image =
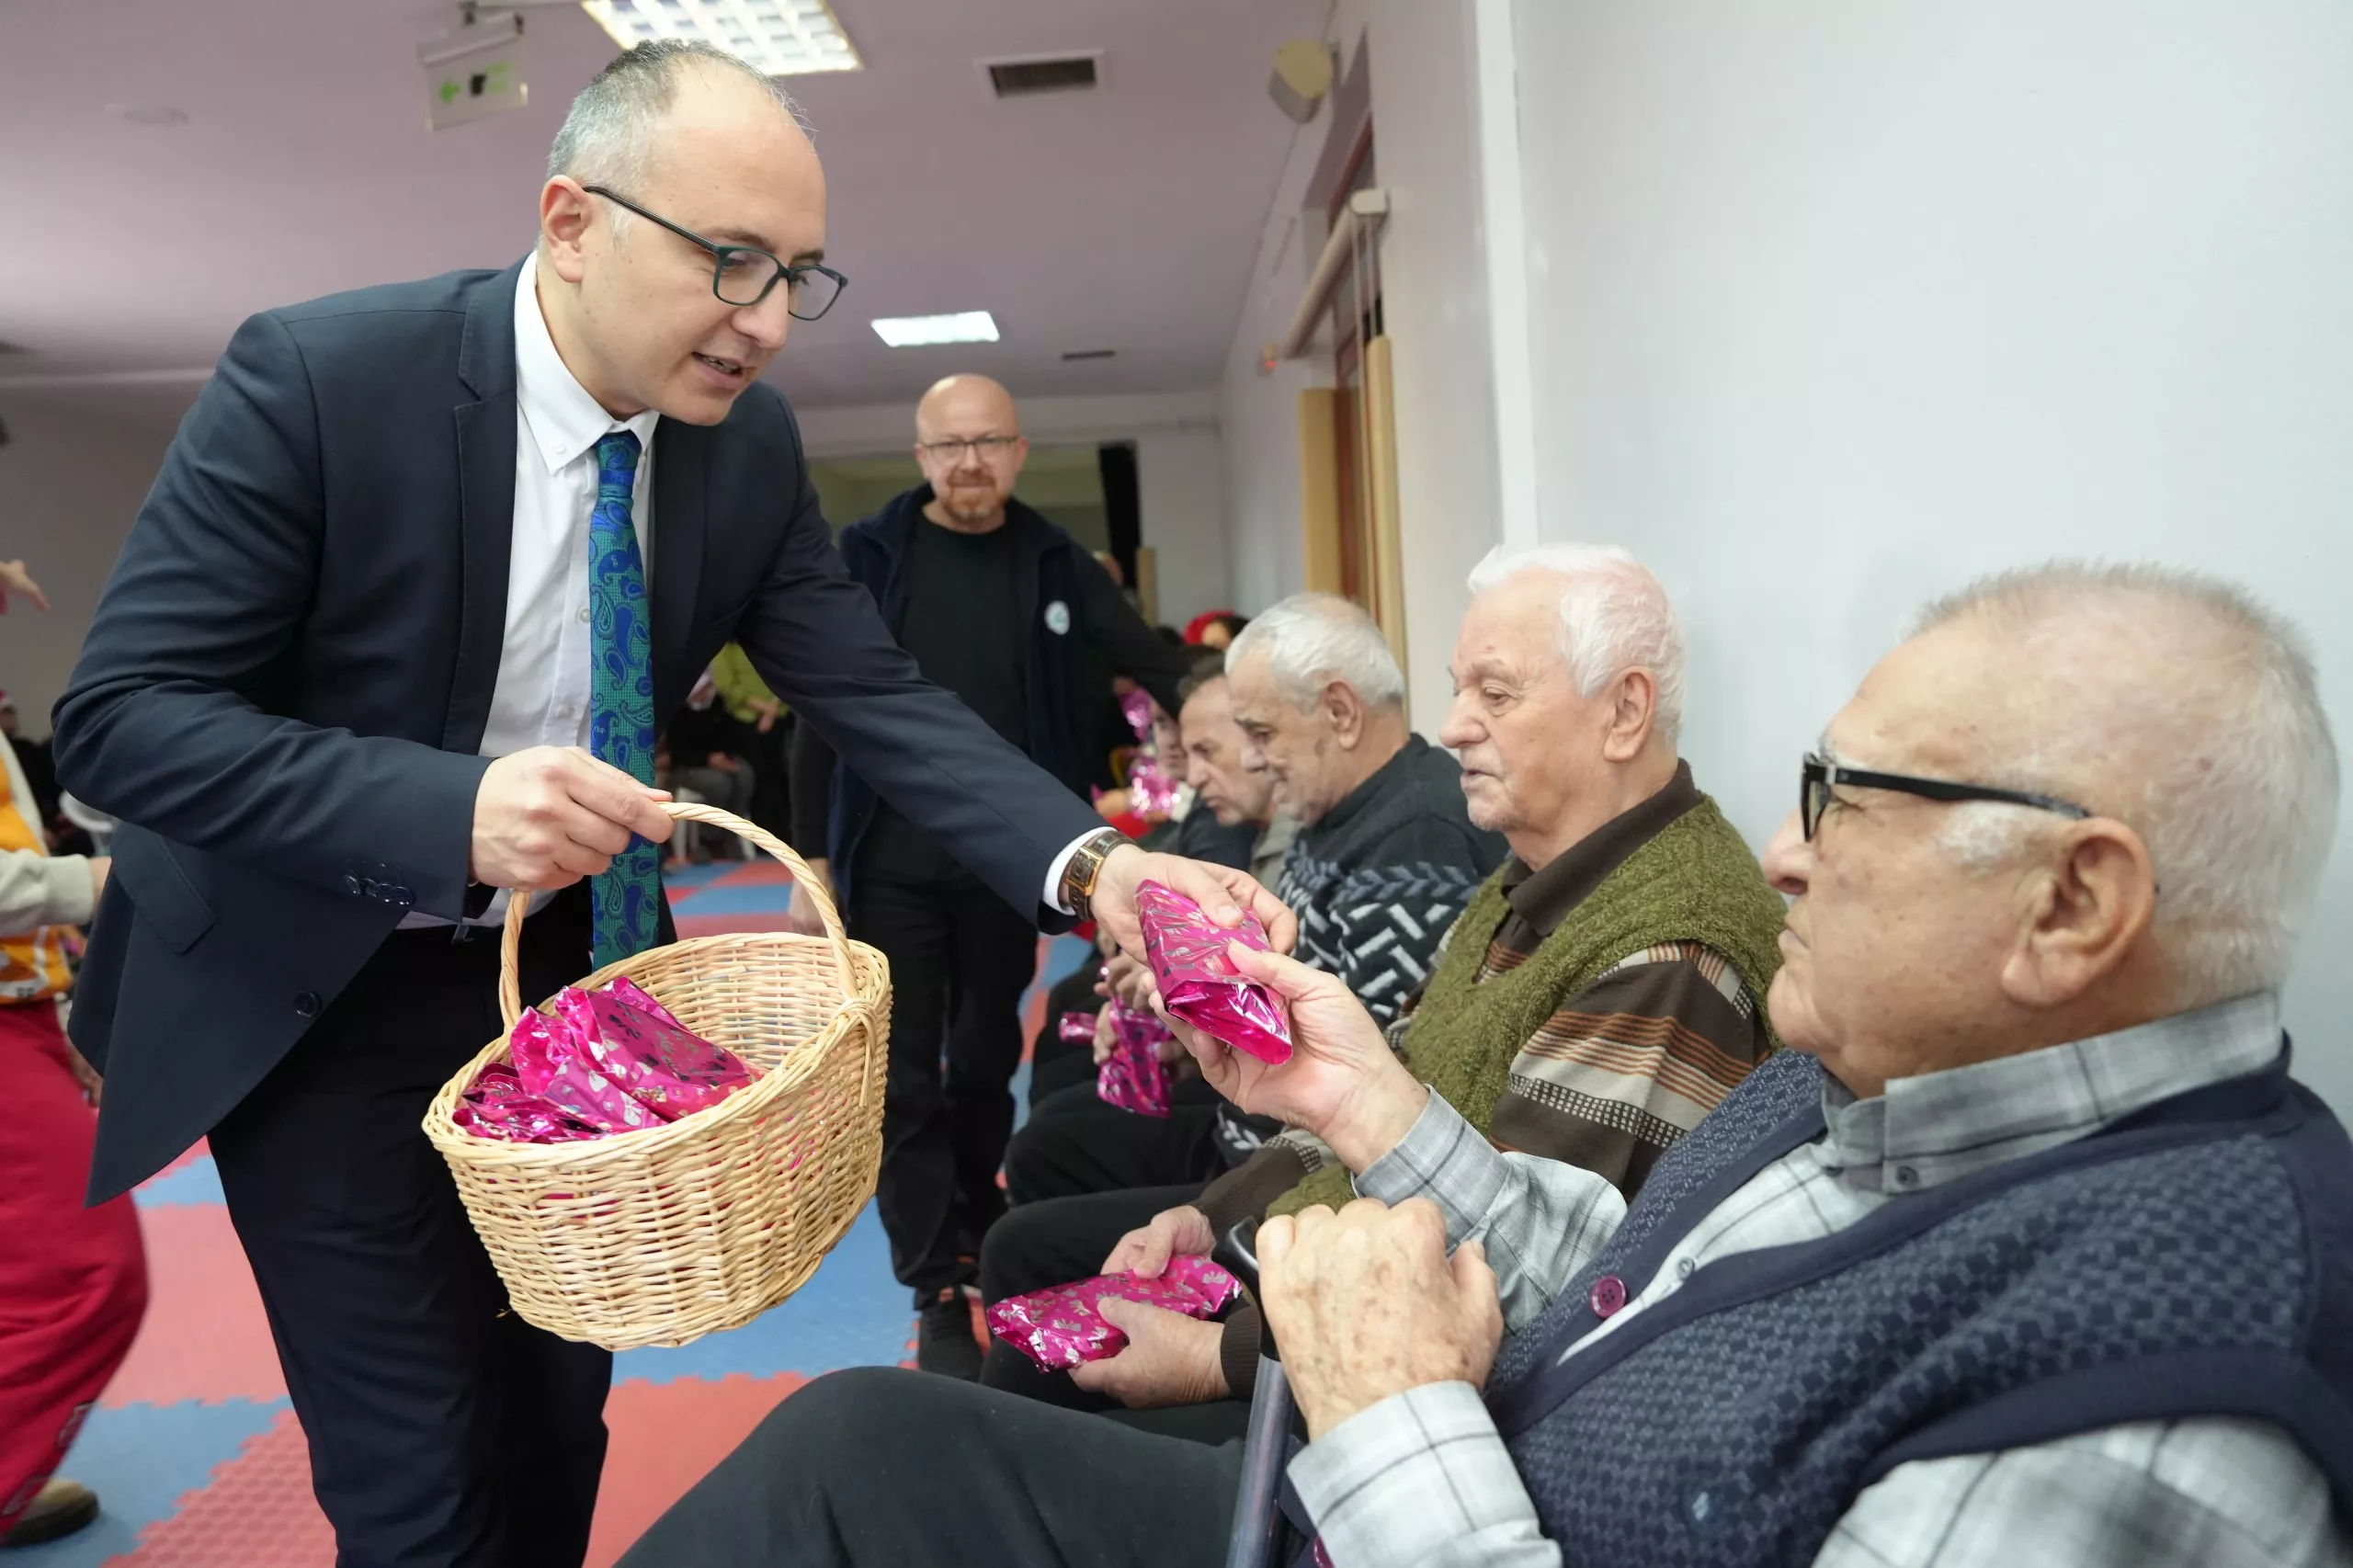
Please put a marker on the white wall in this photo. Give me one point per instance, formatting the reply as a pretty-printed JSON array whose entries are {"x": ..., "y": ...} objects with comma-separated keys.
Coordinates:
[
  {"x": 1179, "y": 467},
  {"x": 1433, "y": 299},
  {"x": 1837, "y": 306},
  {"x": 1434, "y": 292},
  {"x": 70, "y": 486}
]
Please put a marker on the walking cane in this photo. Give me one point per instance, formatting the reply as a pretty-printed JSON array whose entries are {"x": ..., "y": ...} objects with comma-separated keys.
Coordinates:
[{"x": 1257, "y": 1511}]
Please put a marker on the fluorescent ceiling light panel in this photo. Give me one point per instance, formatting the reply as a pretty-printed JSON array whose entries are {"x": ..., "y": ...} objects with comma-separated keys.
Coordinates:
[
  {"x": 913, "y": 332},
  {"x": 780, "y": 37}
]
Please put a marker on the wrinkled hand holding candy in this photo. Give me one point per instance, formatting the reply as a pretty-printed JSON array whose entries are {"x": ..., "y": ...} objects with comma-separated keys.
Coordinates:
[
  {"x": 1197, "y": 983},
  {"x": 612, "y": 1060},
  {"x": 1065, "y": 1325},
  {"x": 1133, "y": 1077}
]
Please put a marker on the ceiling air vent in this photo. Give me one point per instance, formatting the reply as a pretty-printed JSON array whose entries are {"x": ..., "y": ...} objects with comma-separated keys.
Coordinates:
[
  {"x": 1078, "y": 354},
  {"x": 1021, "y": 78}
]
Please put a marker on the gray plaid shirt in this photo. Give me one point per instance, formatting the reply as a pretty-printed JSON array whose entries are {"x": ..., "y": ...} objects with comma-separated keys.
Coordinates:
[{"x": 1424, "y": 1479}]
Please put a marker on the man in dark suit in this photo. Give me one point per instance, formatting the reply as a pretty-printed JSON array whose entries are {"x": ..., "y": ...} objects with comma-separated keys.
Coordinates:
[{"x": 385, "y": 639}]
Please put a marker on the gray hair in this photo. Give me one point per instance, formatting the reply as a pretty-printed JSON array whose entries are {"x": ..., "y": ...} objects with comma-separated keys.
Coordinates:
[
  {"x": 609, "y": 134},
  {"x": 2239, "y": 818},
  {"x": 1312, "y": 639},
  {"x": 1614, "y": 618}
]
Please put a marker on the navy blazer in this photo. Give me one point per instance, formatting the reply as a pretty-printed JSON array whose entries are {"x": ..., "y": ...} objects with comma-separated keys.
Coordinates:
[{"x": 286, "y": 681}]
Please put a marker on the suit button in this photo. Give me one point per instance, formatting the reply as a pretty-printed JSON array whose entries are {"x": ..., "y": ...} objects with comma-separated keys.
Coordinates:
[
  {"x": 352, "y": 886},
  {"x": 1608, "y": 1295},
  {"x": 306, "y": 1004}
]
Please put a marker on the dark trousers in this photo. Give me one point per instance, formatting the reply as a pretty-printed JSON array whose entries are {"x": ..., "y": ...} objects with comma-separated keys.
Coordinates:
[
  {"x": 897, "y": 1469},
  {"x": 443, "y": 1429},
  {"x": 1073, "y": 1144},
  {"x": 960, "y": 959},
  {"x": 1055, "y": 1063}
]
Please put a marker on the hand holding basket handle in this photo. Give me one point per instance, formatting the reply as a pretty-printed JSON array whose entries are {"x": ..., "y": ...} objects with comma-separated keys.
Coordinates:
[
  {"x": 549, "y": 815},
  {"x": 665, "y": 811}
]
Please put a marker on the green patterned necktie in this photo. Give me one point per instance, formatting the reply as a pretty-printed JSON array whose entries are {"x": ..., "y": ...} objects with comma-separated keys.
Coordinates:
[{"x": 628, "y": 897}]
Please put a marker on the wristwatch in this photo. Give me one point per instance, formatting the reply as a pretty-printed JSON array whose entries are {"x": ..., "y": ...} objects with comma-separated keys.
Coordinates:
[{"x": 1086, "y": 865}]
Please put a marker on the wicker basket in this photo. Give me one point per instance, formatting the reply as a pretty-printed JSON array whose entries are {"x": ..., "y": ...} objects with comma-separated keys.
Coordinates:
[{"x": 660, "y": 1236}]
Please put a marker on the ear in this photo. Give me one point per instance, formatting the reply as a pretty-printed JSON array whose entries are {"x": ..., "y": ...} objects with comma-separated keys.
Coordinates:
[
  {"x": 1345, "y": 710},
  {"x": 567, "y": 214},
  {"x": 1633, "y": 705},
  {"x": 2087, "y": 909}
]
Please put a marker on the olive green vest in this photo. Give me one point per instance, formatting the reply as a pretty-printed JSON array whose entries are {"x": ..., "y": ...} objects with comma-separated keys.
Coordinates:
[{"x": 1695, "y": 881}]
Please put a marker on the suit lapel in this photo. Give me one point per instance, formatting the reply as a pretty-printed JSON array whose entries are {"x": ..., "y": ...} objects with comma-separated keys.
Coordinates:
[
  {"x": 486, "y": 506},
  {"x": 681, "y": 540}
]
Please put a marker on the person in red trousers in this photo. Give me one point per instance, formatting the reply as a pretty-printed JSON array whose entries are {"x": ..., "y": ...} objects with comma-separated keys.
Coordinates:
[{"x": 73, "y": 1281}]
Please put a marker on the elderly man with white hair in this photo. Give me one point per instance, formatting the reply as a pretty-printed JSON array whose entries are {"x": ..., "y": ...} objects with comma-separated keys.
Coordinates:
[
  {"x": 2029, "y": 1252},
  {"x": 1599, "y": 995}
]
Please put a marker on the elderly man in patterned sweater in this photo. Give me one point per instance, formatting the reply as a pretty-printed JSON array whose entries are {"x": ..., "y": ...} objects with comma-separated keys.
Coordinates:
[
  {"x": 1601, "y": 995},
  {"x": 2029, "y": 1252},
  {"x": 1386, "y": 856}
]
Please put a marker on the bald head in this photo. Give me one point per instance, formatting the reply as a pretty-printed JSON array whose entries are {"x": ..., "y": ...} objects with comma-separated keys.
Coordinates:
[{"x": 968, "y": 440}]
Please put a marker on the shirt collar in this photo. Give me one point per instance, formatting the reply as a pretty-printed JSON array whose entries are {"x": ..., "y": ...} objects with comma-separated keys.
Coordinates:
[
  {"x": 564, "y": 421},
  {"x": 1543, "y": 899},
  {"x": 1938, "y": 1127}
]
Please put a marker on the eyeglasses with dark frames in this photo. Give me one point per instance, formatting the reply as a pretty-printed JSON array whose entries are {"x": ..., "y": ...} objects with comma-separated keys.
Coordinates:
[
  {"x": 1819, "y": 776},
  {"x": 745, "y": 275},
  {"x": 952, "y": 450}
]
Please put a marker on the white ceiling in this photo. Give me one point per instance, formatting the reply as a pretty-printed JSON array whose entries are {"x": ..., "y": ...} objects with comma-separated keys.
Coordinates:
[{"x": 1125, "y": 218}]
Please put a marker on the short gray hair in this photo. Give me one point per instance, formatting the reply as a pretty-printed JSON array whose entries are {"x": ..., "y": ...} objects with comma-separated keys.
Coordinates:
[
  {"x": 607, "y": 135},
  {"x": 1312, "y": 639},
  {"x": 2238, "y": 822},
  {"x": 1614, "y": 618}
]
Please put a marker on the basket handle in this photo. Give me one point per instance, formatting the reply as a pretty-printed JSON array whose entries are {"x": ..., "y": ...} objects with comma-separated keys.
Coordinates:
[{"x": 510, "y": 945}]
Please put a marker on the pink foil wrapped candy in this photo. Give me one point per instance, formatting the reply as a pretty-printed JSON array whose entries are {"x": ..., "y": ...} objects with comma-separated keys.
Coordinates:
[
  {"x": 1134, "y": 1077},
  {"x": 497, "y": 1106},
  {"x": 631, "y": 1040},
  {"x": 1198, "y": 984},
  {"x": 1065, "y": 1325},
  {"x": 552, "y": 1066},
  {"x": 1075, "y": 1027}
]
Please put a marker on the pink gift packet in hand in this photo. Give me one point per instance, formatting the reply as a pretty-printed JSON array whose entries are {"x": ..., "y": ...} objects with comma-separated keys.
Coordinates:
[
  {"x": 1197, "y": 983},
  {"x": 1134, "y": 1077},
  {"x": 612, "y": 1059},
  {"x": 1065, "y": 1325},
  {"x": 1076, "y": 1028}
]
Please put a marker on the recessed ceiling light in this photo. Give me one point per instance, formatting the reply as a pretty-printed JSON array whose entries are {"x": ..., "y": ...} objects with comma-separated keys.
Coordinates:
[
  {"x": 149, "y": 114},
  {"x": 781, "y": 38},
  {"x": 961, "y": 326}
]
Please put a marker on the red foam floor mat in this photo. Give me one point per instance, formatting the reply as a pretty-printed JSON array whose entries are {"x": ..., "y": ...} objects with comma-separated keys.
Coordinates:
[
  {"x": 204, "y": 1336},
  {"x": 258, "y": 1511}
]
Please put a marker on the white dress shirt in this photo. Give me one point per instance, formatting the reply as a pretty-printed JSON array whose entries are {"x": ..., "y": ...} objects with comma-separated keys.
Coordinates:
[{"x": 541, "y": 697}]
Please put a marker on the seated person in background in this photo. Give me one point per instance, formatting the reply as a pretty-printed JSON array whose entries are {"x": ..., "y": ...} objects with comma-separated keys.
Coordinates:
[
  {"x": 707, "y": 747},
  {"x": 1205, "y": 748},
  {"x": 2027, "y": 1252},
  {"x": 1601, "y": 995},
  {"x": 1385, "y": 858},
  {"x": 764, "y": 730},
  {"x": 1229, "y": 822}
]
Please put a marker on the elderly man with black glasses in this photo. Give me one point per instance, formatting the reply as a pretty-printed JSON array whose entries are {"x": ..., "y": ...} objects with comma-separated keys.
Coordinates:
[{"x": 2031, "y": 1251}]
